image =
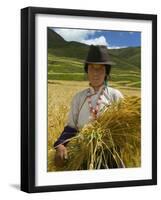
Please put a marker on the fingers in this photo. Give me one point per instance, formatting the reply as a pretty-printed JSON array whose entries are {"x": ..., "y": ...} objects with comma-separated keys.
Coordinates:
[
  {"x": 65, "y": 154},
  {"x": 58, "y": 161},
  {"x": 62, "y": 153}
]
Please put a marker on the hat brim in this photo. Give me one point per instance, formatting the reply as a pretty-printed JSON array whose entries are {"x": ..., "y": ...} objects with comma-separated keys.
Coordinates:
[{"x": 102, "y": 63}]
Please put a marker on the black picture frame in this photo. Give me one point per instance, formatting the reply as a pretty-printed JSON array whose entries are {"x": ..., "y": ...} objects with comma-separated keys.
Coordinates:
[{"x": 28, "y": 98}]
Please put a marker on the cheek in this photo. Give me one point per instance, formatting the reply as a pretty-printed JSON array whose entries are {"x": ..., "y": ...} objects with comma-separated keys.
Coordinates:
[
  {"x": 89, "y": 76},
  {"x": 102, "y": 75}
]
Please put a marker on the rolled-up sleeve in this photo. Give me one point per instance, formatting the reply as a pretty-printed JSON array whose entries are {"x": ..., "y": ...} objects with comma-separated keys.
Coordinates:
[
  {"x": 67, "y": 133},
  {"x": 117, "y": 95},
  {"x": 70, "y": 128}
]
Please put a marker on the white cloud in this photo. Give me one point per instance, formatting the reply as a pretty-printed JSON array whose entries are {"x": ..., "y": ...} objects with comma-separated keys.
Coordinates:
[
  {"x": 96, "y": 41},
  {"x": 74, "y": 34},
  {"x": 117, "y": 47},
  {"x": 80, "y": 35}
]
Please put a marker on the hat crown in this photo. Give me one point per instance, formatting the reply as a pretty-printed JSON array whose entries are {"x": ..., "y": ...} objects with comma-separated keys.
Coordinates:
[{"x": 98, "y": 54}]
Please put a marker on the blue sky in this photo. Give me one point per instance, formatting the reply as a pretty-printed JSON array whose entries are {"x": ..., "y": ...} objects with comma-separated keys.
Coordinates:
[{"x": 112, "y": 39}]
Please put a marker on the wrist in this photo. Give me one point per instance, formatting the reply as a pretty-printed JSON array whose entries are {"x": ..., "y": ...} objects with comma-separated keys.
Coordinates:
[{"x": 59, "y": 146}]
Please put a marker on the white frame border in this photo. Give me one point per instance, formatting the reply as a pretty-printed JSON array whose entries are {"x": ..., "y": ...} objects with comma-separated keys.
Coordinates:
[{"x": 44, "y": 178}]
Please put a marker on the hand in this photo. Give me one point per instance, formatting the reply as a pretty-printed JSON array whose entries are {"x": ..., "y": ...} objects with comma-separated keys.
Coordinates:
[
  {"x": 61, "y": 151},
  {"x": 61, "y": 154}
]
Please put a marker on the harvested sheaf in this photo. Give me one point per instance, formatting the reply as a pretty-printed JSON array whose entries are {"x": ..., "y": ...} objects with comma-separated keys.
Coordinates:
[{"x": 111, "y": 141}]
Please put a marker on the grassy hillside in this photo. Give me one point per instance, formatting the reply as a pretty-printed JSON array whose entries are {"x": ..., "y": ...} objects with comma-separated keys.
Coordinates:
[
  {"x": 130, "y": 55},
  {"x": 64, "y": 68}
]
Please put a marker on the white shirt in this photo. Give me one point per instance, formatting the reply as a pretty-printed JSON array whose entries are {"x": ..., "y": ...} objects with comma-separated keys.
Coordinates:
[{"x": 80, "y": 115}]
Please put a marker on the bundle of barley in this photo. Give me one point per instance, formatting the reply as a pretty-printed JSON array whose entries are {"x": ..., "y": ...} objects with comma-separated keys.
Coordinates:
[{"x": 111, "y": 141}]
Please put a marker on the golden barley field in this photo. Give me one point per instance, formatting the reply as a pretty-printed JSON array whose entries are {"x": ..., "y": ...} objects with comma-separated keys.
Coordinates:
[{"x": 60, "y": 94}]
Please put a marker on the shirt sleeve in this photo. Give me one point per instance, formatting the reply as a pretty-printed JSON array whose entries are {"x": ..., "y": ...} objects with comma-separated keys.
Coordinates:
[
  {"x": 117, "y": 95},
  {"x": 67, "y": 133},
  {"x": 73, "y": 112},
  {"x": 70, "y": 128}
]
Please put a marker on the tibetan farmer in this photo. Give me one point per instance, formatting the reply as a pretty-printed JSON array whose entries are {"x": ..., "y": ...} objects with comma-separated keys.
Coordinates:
[{"x": 89, "y": 103}]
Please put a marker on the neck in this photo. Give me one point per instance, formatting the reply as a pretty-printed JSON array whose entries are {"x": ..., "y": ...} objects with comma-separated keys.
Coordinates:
[{"x": 96, "y": 88}]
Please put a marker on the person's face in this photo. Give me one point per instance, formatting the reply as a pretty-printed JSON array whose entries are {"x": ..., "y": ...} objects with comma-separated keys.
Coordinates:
[{"x": 96, "y": 74}]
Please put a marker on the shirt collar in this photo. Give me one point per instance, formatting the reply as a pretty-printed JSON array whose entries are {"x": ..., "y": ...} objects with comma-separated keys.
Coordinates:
[{"x": 93, "y": 92}]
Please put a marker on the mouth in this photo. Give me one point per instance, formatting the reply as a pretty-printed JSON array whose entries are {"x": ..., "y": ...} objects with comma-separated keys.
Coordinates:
[{"x": 95, "y": 79}]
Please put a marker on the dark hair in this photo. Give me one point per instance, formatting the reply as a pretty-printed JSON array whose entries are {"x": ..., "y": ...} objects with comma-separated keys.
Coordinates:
[{"x": 107, "y": 68}]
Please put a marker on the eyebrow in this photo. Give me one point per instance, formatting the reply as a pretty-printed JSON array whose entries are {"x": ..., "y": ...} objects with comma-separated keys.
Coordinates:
[{"x": 97, "y": 67}]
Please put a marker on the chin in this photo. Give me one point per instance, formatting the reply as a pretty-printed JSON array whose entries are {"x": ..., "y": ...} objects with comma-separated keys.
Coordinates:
[{"x": 97, "y": 85}]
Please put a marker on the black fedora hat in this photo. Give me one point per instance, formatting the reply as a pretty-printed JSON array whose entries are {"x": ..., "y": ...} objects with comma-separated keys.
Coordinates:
[{"x": 98, "y": 54}]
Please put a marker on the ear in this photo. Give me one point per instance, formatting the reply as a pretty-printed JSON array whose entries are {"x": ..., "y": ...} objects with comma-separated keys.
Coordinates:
[{"x": 107, "y": 77}]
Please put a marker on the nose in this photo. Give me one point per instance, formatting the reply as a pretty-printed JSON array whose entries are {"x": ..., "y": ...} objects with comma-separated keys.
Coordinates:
[{"x": 95, "y": 72}]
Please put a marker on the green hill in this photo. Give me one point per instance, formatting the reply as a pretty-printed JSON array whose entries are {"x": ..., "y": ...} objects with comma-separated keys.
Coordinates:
[
  {"x": 59, "y": 47},
  {"x": 54, "y": 39},
  {"x": 130, "y": 55}
]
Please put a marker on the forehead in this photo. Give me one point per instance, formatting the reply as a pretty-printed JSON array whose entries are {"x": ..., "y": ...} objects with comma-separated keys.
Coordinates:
[{"x": 96, "y": 66}]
